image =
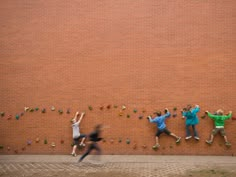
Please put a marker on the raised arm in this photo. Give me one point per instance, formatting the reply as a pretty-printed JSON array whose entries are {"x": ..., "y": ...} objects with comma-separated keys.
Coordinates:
[
  {"x": 212, "y": 116},
  {"x": 228, "y": 116},
  {"x": 196, "y": 109},
  {"x": 76, "y": 115},
  {"x": 81, "y": 117}
]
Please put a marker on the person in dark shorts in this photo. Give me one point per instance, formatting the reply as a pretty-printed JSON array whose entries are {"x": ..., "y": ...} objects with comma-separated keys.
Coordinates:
[
  {"x": 160, "y": 122},
  {"x": 94, "y": 137},
  {"x": 219, "y": 121},
  {"x": 76, "y": 132}
]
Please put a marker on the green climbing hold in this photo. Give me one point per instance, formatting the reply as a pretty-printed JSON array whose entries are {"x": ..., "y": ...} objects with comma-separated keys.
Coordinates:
[
  {"x": 127, "y": 141},
  {"x": 17, "y": 117},
  {"x": 90, "y": 108},
  {"x": 45, "y": 141},
  {"x": 36, "y": 109},
  {"x": 135, "y": 110}
]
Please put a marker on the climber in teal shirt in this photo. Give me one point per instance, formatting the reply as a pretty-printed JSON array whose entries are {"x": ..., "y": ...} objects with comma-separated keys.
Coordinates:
[{"x": 191, "y": 120}]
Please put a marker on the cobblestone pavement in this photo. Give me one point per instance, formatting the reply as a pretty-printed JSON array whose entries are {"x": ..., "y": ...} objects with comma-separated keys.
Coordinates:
[{"x": 109, "y": 166}]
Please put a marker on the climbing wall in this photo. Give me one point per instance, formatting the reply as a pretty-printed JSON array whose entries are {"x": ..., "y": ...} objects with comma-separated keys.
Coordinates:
[{"x": 118, "y": 61}]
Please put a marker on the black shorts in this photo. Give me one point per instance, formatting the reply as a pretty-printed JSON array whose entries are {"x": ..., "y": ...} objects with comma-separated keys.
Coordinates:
[
  {"x": 76, "y": 140},
  {"x": 165, "y": 130}
]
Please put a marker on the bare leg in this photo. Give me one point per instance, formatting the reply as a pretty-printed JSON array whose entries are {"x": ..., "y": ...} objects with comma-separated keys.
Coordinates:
[
  {"x": 74, "y": 149},
  {"x": 172, "y": 134},
  {"x": 157, "y": 140},
  {"x": 82, "y": 141},
  {"x": 225, "y": 138}
]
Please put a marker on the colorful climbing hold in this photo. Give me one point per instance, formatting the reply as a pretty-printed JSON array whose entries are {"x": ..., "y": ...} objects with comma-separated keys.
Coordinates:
[
  {"x": 119, "y": 140},
  {"x": 2, "y": 114},
  {"x": 127, "y": 141},
  {"x": 120, "y": 113},
  {"x": 29, "y": 142},
  {"x": 115, "y": 106},
  {"x": 90, "y": 107},
  {"x": 128, "y": 116},
  {"x": 108, "y": 106},
  {"x": 9, "y": 117},
  {"x": 45, "y": 141},
  {"x": 37, "y": 140},
  {"x": 1, "y": 146},
  {"x": 17, "y": 117},
  {"x": 53, "y": 108},
  {"x": 174, "y": 115},
  {"x": 68, "y": 111},
  {"x": 26, "y": 109},
  {"x": 23, "y": 148},
  {"x": 53, "y": 144},
  {"x": 31, "y": 110},
  {"x": 43, "y": 110},
  {"x": 21, "y": 114},
  {"x": 101, "y": 108},
  {"x": 123, "y": 107},
  {"x": 111, "y": 141},
  {"x": 36, "y": 109},
  {"x": 203, "y": 117},
  {"x": 8, "y": 148},
  {"x": 155, "y": 147},
  {"x": 135, "y": 110},
  {"x": 140, "y": 117},
  {"x": 60, "y": 111},
  {"x": 175, "y": 109}
]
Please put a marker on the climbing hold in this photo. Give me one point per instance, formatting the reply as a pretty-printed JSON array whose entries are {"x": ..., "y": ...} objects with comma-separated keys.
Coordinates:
[
  {"x": 43, "y": 110},
  {"x": 108, "y": 106},
  {"x": 26, "y": 109},
  {"x": 23, "y": 148},
  {"x": 21, "y": 114},
  {"x": 203, "y": 117},
  {"x": 60, "y": 111},
  {"x": 144, "y": 110},
  {"x": 90, "y": 108},
  {"x": 111, "y": 141},
  {"x": 31, "y": 110},
  {"x": 16, "y": 151},
  {"x": 144, "y": 146},
  {"x": 103, "y": 140},
  {"x": 140, "y": 117},
  {"x": 135, "y": 110},
  {"x": 62, "y": 141},
  {"x": 119, "y": 140},
  {"x": 36, "y": 109},
  {"x": 174, "y": 115},
  {"x": 120, "y": 113},
  {"x": 127, "y": 141},
  {"x": 29, "y": 142},
  {"x": 128, "y": 116},
  {"x": 1, "y": 146},
  {"x": 101, "y": 108},
  {"x": 53, "y": 108},
  {"x": 53, "y": 144},
  {"x": 175, "y": 109},
  {"x": 233, "y": 118},
  {"x": 123, "y": 107},
  {"x": 68, "y": 111},
  {"x": 37, "y": 140},
  {"x": 17, "y": 117},
  {"x": 135, "y": 146},
  {"x": 115, "y": 106},
  {"x": 45, "y": 141},
  {"x": 8, "y": 148},
  {"x": 2, "y": 114},
  {"x": 9, "y": 117}
]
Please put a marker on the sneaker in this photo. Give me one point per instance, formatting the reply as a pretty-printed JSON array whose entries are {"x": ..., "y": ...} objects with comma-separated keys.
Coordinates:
[
  {"x": 82, "y": 144},
  {"x": 74, "y": 154},
  {"x": 208, "y": 142},
  {"x": 196, "y": 138},
  {"x": 188, "y": 137},
  {"x": 178, "y": 140},
  {"x": 227, "y": 144}
]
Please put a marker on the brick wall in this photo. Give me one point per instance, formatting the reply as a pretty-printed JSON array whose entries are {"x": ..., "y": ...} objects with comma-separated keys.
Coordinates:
[{"x": 146, "y": 55}]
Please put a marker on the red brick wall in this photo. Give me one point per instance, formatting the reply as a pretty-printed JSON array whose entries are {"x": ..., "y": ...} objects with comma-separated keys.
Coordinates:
[{"x": 147, "y": 55}]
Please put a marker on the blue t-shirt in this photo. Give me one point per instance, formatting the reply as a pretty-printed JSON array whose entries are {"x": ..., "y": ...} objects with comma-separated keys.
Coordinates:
[{"x": 160, "y": 121}]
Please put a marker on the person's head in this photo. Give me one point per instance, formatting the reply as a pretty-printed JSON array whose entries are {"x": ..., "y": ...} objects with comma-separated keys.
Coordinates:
[
  {"x": 98, "y": 127},
  {"x": 220, "y": 112},
  {"x": 73, "y": 121},
  {"x": 158, "y": 113},
  {"x": 188, "y": 107}
]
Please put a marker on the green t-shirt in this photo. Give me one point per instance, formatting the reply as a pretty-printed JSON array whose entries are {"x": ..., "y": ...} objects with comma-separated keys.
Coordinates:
[{"x": 219, "y": 119}]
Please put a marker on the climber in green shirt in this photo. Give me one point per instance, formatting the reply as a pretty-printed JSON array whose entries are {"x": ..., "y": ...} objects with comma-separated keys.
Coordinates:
[{"x": 219, "y": 120}]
